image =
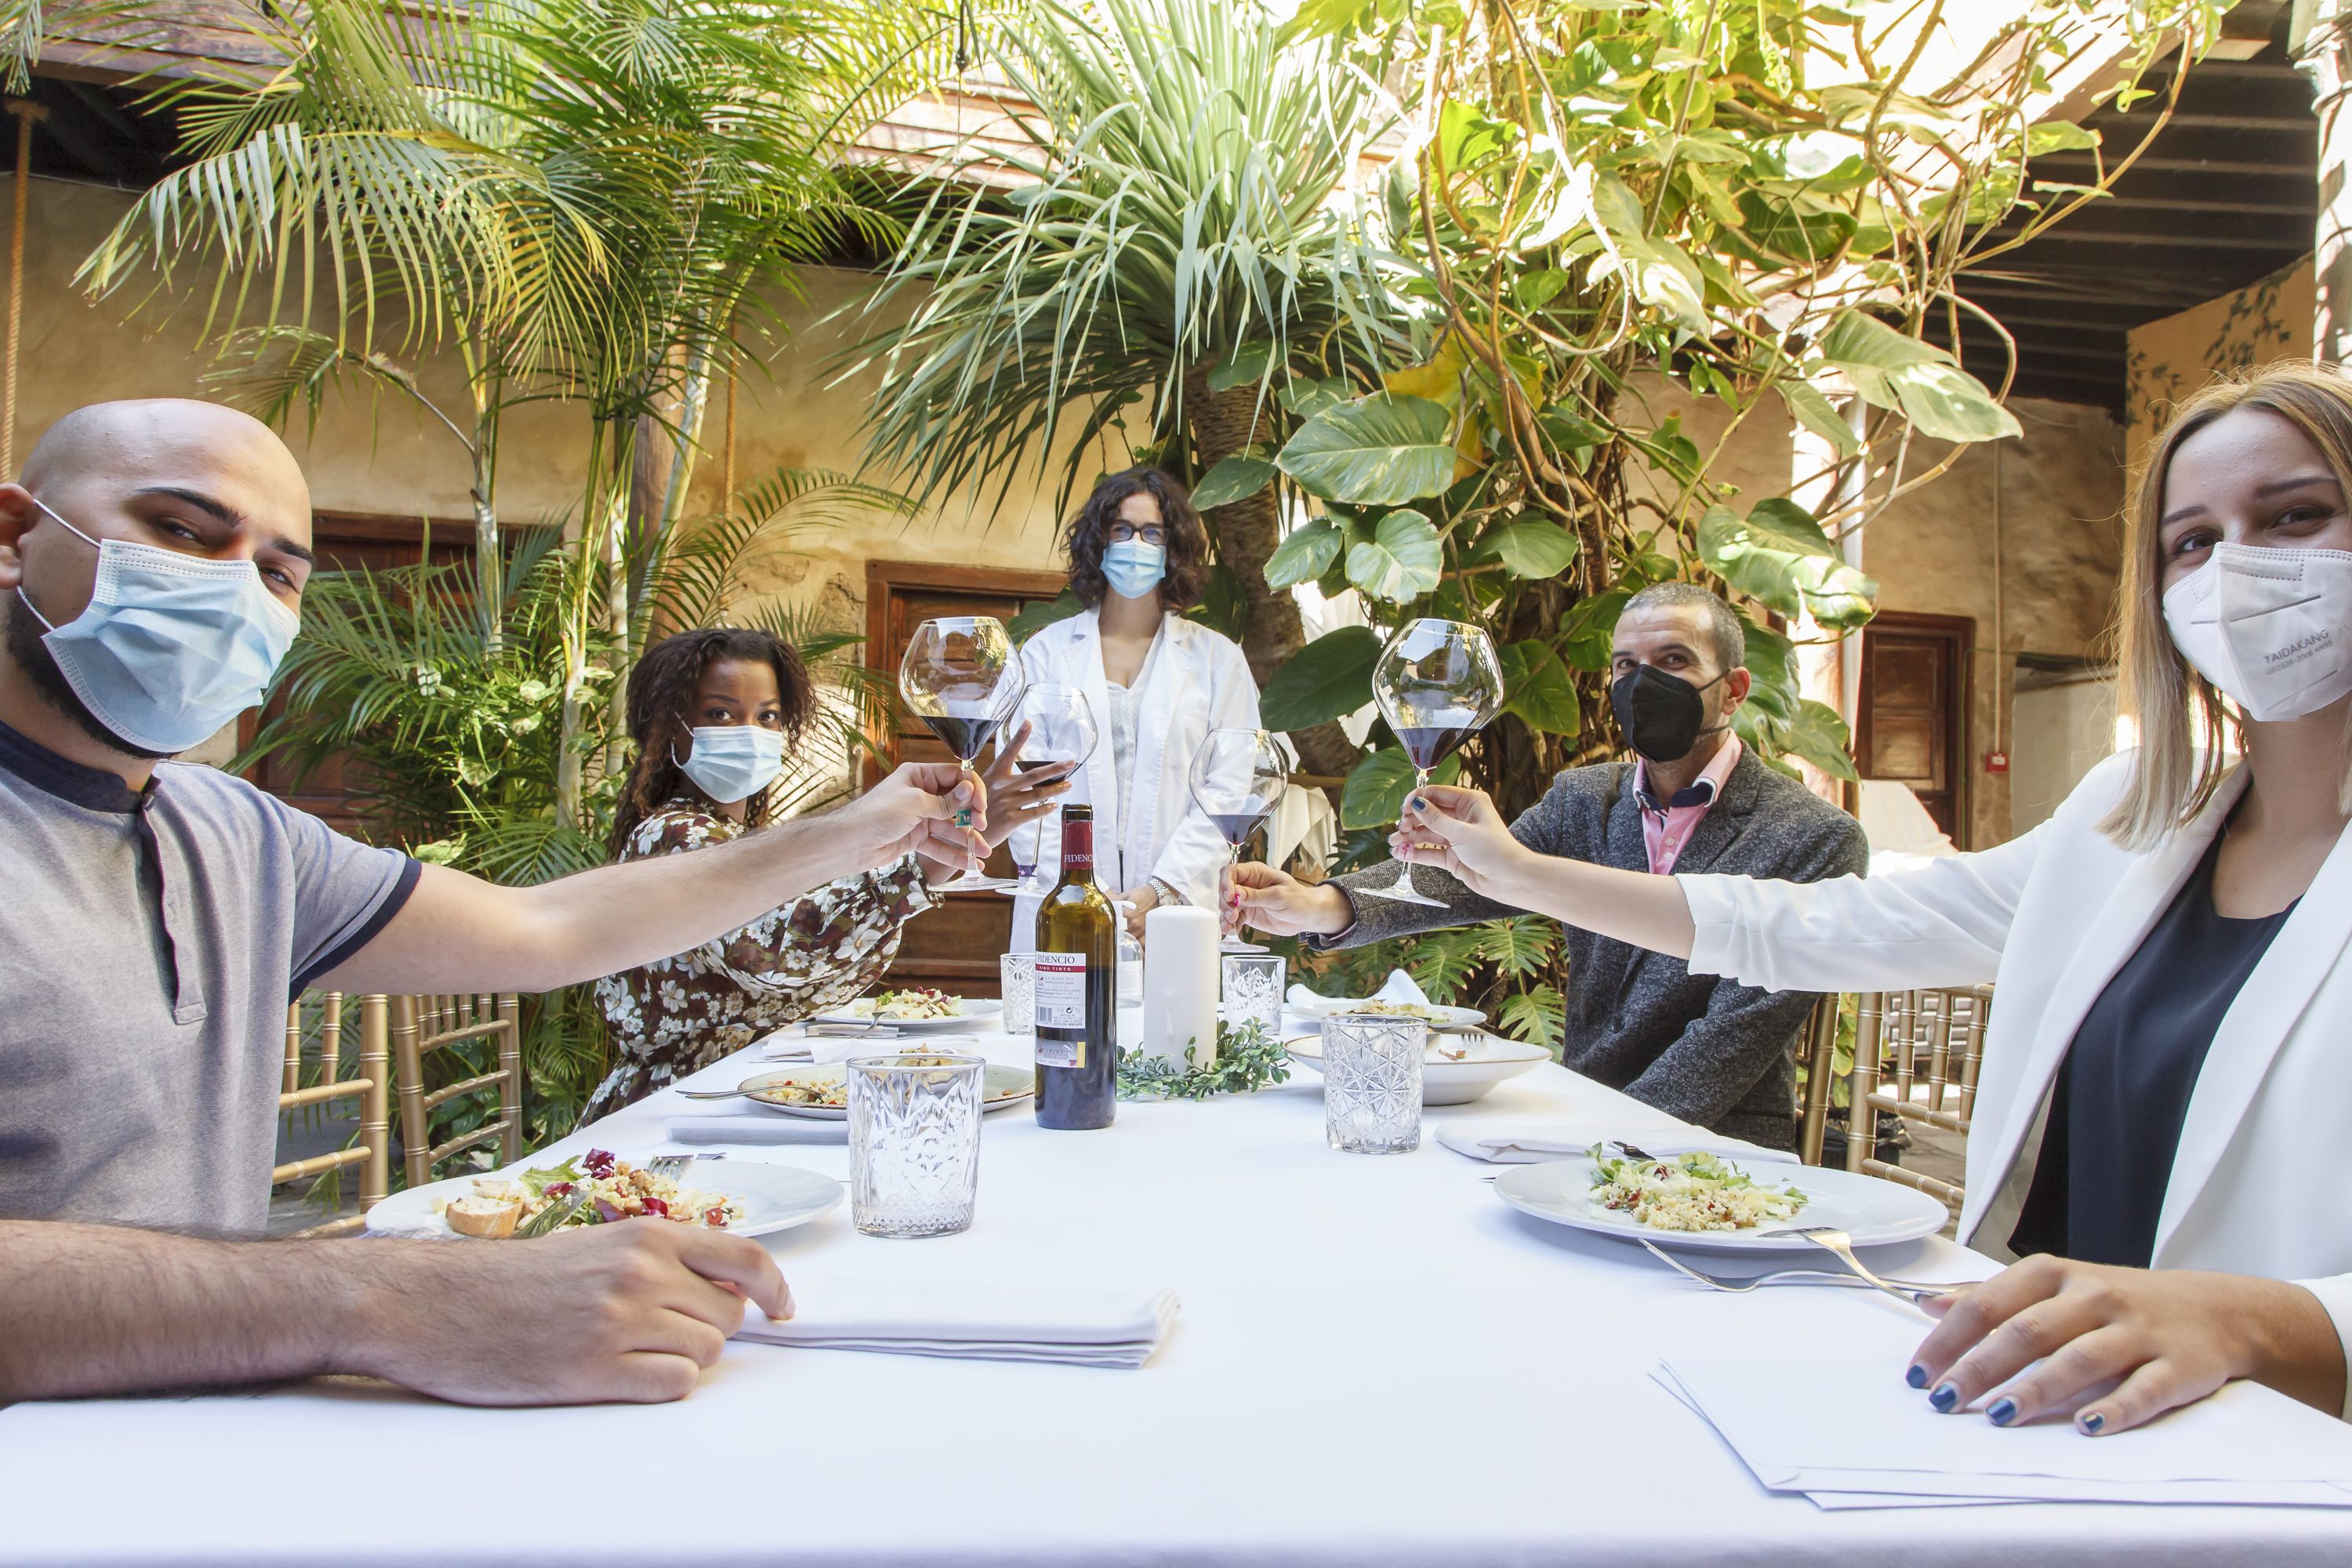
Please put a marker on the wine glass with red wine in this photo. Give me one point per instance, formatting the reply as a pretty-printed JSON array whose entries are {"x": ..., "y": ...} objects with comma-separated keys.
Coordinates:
[
  {"x": 961, "y": 678},
  {"x": 1238, "y": 777},
  {"x": 1062, "y": 735},
  {"x": 1438, "y": 683}
]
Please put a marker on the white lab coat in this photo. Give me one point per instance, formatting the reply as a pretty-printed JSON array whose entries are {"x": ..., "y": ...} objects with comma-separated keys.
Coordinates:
[
  {"x": 1194, "y": 681},
  {"x": 2261, "y": 1183}
]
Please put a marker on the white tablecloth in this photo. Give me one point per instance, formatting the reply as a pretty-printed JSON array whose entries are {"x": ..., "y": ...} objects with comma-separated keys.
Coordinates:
[{"x": 1378, "y": 1362}]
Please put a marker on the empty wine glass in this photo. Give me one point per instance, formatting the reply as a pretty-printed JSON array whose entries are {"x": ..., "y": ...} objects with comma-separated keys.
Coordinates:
[
  {"x": 1438, "y": 683},
  {"x": 1062, "y": 733},
  {"x": 961, "y": 679},
  {"x": 1238, "y": 777}
]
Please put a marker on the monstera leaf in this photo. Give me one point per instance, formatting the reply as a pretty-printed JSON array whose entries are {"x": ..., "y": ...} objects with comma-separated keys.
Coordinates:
[
  {"x": 1529, "y": 547},
  {"x": 1329, "y": 678},
  {"x": 1304, "y": 555},
  {"x": 1401, "y": 561},
  {"x": 1377, "y": 451},
  {"x": 1540, "y": 690},
  {"x": 1376, "y": 788},
  {"x": 1232, "y": 479},
  {"x": 1895, "y": 371},
  {"x": 1778, "y": 554}
]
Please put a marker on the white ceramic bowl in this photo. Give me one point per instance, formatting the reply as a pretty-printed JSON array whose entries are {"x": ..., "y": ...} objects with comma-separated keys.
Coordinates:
[{"x": 1491, "y": 1058}]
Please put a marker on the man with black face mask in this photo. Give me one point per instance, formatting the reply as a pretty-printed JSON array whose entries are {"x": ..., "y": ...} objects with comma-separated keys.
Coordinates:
[{"x": 1708, "y": 1050}]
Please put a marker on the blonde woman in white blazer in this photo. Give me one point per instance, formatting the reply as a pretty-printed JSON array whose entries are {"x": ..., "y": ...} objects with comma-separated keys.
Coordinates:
[
  {"x": 1157, "y": 683},
  {"x": 2176, "y": 944}
]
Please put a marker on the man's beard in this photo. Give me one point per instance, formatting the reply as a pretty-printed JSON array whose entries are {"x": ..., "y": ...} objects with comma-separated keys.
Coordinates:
[{"x": 31, "y": 655}]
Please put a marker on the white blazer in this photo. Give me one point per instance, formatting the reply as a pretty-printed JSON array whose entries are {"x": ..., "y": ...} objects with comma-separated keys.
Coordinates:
[
  {"x": 2259, "y": 1185},
  {"x": 1194, "y": 681}
]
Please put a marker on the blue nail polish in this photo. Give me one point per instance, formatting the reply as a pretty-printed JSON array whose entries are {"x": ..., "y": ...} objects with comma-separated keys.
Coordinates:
[
  {"x": 1917, "y": 1376},
  {"x": 2092, "y": 1422},
  {"x": 1947, "y": 1394},
  {"x": 2002, "y": 1411},
  {"x": 1419, "y": 804}
]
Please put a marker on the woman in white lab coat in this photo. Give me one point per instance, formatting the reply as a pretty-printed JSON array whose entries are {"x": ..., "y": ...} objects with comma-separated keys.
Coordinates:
[
  {"x": 1158, "y": 684},
  {"x": 2163, "y": 1125}
]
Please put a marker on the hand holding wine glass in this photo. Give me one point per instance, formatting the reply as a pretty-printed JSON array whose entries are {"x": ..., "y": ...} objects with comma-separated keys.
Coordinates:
[
  {"x": 1438, "y": 683},
  {"x": 1238, "y": 777},
  {"x": 961, "y": 679},
  {"x": 1058, "y": 735}
]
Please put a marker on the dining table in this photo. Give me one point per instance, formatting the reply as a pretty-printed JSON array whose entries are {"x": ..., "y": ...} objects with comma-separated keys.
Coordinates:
[{"x": 1376, "y": 1361}]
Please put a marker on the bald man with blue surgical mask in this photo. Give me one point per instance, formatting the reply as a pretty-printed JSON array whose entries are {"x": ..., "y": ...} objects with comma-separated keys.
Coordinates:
[{"x": 152, "y": 560}]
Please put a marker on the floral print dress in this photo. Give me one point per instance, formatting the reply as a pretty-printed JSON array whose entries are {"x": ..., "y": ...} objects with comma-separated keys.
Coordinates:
[{"x": 677, "y": 1016}]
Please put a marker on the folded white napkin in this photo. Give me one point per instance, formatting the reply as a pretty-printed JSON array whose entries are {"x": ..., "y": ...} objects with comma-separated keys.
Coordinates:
[
  {"x": 1398, "y": 988},
  {"x": 1854, "y": 1435},
  {"x": 1527, "y": 1144},
  {"x": 756, "y": 1127},
  {"x": 971, "y": 1321}
]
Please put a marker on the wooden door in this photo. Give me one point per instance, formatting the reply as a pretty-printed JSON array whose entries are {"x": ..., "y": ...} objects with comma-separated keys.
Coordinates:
[
  {"x": 1914, "y": 720},
  {"x": 347, "y": 543},
  {"x": 957, "y": 944}
]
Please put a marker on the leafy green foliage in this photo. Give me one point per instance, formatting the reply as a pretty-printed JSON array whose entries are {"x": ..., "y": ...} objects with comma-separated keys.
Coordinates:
[
  {"x": 1231, "y": 479},
  {"x": 1378, "y": 451},
  {"x": 1779, "y": 555},
  {"x": 1376, "y": 789},
  {"x": 1039, "y": 614},
  {"x": 1528, "y": 547},
  {"x": 1400, "y": 562},
  {"x": 1538, "y": 1015},
  {"x": 1308, "y": 552},
  {"x": 1248, "y": 1059},
  {"x": 1542, "y": 692},
  {"x": 1329, "y": 678}
]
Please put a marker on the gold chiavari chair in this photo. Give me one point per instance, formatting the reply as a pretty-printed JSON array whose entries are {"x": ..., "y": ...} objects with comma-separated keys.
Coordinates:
[
  {"x": 372, "y": 1089},
  {"x": 423, "y": 1024},
  {"x": 1816, "y": 1071},
  {"x": 1916, "y": 1056}
]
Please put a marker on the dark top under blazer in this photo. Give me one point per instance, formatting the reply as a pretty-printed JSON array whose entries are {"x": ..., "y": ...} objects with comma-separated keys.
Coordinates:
[{"x": 1707, "y": 1049}]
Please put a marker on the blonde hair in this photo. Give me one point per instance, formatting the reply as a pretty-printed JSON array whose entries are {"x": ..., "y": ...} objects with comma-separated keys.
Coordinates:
[{"x": 2183, "y": 722}]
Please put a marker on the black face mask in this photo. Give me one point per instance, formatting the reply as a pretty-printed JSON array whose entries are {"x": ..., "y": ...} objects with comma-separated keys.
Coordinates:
[{"x": 1662, "y": 717}]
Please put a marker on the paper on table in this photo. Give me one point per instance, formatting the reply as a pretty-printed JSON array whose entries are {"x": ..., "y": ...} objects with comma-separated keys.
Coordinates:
[
  {"x": 1398, "y": 987},
  {"x": 1526, "y": 1144},
  {"x": 973, "y": 1319},
  {"x": 754, "y": 1128},
  {"x": 1853, "y": 1429}
]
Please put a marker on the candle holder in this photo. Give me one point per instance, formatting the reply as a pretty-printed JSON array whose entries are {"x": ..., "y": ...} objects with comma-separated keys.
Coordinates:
[
  {"x": 1371, "y": 1082},
  {"x": 1251, "y": 991}
]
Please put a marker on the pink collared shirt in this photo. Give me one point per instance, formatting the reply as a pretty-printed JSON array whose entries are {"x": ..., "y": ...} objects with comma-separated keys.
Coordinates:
[{"x": 1665, "y": 835}]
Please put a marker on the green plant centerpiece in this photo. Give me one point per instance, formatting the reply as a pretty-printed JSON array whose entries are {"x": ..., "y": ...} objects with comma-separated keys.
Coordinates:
[{"x": 1248, "y": 1059}]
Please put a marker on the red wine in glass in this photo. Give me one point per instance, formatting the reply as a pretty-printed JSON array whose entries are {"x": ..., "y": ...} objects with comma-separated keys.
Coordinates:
[
  {"x": 1430, "y": 746},
  {"x": 967, "y": 738},
  {"x": 1237, "y": 825},
  {"x": 1039, "y": 764}
]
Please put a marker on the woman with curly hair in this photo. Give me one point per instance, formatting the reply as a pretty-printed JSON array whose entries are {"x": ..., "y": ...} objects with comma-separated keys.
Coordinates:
[
  {"x": 1158, "y": 682},
  {"x": 711, "y": 713}
]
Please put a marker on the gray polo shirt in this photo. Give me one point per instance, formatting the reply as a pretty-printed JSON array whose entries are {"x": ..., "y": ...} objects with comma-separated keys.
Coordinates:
[{"x": 149, "y": 943}]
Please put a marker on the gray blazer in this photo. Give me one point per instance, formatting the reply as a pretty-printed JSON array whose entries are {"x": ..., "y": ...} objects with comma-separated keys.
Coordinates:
[{"x": 1707, "y": 1050}]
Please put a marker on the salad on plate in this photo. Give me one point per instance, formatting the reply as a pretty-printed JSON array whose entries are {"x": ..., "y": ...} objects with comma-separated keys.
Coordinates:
[
  {"x": 610, "y": 1188},
  {"x": 1692, "y": 1191}
]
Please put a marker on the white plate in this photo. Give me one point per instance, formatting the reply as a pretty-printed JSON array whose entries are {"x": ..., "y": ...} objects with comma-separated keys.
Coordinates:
[
  {"x": 1000, "y": 1086},
  {"x": 1450, "y": 1017},
  {"x": 969, "y": 1011},
  {"x": 774, "y": 1197},
  {"x": 1491, "y": 1060},
  {"x": 1874, "y": 1213}
]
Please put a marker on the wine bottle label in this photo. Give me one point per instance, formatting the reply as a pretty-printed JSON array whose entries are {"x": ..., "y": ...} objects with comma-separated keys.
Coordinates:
[{"x": 1062, "y": 1004}]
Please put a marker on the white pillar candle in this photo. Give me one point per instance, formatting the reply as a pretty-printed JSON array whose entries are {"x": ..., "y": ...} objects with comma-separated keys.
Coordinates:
[{"x": 1179, "y": 985}]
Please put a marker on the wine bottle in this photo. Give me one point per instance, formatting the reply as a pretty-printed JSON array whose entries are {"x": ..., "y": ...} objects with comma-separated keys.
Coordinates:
[{"x": 1078, "y": 961}]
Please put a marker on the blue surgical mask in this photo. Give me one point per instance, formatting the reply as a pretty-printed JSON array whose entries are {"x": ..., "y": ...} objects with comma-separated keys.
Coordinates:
[
  {"x": 733, "y": 762},
  {"x": 1134, "y": 568},
  {"x": 172, "y": 647}
]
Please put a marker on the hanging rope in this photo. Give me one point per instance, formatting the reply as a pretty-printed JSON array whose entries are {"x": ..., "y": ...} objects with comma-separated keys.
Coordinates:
[
  {"x": 963, "y": 39},
  {"x": 727, "y": 474},
  {"x": 28, "y": 115}
]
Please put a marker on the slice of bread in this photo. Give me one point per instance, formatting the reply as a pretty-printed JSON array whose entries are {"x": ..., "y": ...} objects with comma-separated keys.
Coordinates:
[{"x": 492, "y": 1219}]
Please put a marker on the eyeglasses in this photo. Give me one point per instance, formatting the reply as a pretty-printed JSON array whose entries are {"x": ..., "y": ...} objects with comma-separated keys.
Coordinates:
[{"x": 1150, "y": 533}]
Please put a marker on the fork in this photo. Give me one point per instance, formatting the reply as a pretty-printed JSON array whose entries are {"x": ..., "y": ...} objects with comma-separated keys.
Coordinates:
[
  {"x": 1911, "y": 1289},
  {"x": 1830, "y": 1240},
  {"x": 669, "y": 1167}
]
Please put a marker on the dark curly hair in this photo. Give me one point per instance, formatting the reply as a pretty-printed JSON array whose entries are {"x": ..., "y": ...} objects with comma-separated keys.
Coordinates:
[
  {"x": 1188, "y": 541},
  {"x": 661, "y": 692}
]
